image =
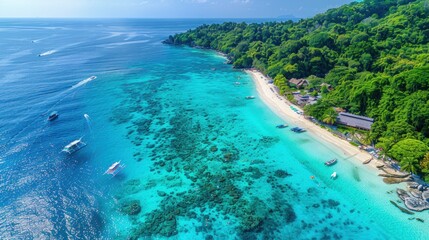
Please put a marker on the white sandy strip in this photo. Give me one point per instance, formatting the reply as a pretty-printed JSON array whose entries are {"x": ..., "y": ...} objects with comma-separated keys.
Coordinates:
[{"x": 281, "y": 107}]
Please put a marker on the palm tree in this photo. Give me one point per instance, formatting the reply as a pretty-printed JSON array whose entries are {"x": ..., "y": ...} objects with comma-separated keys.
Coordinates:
[
  {"x": 330, "y": 116},
  {"x": 409, "y": 164}
]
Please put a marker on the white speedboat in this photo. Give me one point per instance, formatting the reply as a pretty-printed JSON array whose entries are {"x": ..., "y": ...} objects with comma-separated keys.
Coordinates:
[{"x": 334, "y": 175}]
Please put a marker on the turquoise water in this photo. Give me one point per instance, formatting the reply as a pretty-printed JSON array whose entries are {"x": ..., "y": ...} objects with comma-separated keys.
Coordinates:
[{"x": 201, "y": 161}]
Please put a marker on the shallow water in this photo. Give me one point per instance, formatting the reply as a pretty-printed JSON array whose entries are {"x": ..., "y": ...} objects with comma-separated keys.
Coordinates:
[{"x": 201, "y": 161}]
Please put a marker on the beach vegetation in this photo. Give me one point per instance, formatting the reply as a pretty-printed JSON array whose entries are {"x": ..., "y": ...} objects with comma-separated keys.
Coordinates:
[
  {"x": 409, "y": 164},
  {"x": 330, "y": 116},
  {"x": 410, "y": 153},
  {"x": 424, "y": 166}
]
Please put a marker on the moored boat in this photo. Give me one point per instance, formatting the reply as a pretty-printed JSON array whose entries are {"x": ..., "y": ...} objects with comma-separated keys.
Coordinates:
[
  {"x": 334, "y": 175},
  {"x": 367, "y": 161},
  {"x": 74, "y": 146},
  {"x": 54, "y": 115},
  {"x": 331, "y": 162},
  {"x": 297, "y": 129},
  {"x": 250, "y": 97},
  {"x": 114, "y": 168},
  {"x": 282, "y": 126}
]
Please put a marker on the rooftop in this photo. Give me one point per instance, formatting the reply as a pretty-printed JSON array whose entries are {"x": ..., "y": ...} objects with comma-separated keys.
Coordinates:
[
  {"x": 298, "y": 82},
  {"x": 356, "y": 121}
]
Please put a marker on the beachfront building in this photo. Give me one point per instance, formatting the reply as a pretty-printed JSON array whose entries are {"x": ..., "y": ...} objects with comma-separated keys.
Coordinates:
[
  {"x": 298, "y": 83},
  {"x": 304, "y": 99},
  {"x": 355, "y": 121}
]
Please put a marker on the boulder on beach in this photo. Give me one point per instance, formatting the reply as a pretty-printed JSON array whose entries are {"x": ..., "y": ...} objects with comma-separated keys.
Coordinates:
[
  {"x": 415, "y": 202},
  {"x": 425, "y": 195},
  {"x": 392, "y": 180},
  {"x": 390, "y": 175}
]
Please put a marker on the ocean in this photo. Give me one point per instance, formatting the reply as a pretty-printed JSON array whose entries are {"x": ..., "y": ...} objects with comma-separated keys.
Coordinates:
[{"x": 199, "y": 160}]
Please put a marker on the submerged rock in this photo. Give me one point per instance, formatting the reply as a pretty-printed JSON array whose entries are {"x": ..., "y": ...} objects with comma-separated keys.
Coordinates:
[
  {"x": 282, "y": 173},
  {"x": 289, "y": 214},
  {"x": 268, "y": 141},
  {"x": 132, "y": 186},
  {"x": 130, "y": 207},
  {"x": 161, "y": 193},
  {"x": 251, "y": 223},
  {"x": 401, "y": 208},
  {"x": 213, "y": 148}
]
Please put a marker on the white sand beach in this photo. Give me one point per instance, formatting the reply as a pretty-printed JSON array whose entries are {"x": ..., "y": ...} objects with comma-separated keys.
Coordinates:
[{"x": 281, "y": 107}]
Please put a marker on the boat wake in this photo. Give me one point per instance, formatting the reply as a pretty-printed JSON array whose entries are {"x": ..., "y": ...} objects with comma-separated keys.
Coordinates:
[
  {"x": 47, "y": 53},
  {"x": 83, "y": 82},
  {"x": 88, "y": 121},
  {"x": 116, "y": 44},
  {"x": 60, "y": 97}
]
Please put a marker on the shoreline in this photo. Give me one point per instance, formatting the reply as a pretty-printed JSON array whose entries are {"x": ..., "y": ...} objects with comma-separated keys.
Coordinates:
[{"x": 281, "y": 107}]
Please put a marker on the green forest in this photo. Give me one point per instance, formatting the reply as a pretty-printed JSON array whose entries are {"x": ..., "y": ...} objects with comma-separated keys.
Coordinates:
[{"x": 374, "y": 53}]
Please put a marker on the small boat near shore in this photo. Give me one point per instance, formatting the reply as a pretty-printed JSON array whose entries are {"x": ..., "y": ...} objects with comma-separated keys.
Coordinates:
[
  {"x": 54, "y": 115},
  {"x": 115, "y": 168},
  {"x": 331, "y": 162},
  {"x": 367, "y": 161},
  {"x": 250, "y": 97},
  {"x": 334, "y": 175},
  {"x": 282, "y": 126},
  {"x": 298, "y": 130},
  {"x": 74, "y": 146}
]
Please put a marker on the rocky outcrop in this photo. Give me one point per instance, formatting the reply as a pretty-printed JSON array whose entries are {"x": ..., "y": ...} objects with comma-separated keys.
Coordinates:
[
  {"x": 413, "y": 201},
  {"x": 393, "y": 175},
  {"x": 393, "y": 180},
  {"x": 425, "y": 195}
]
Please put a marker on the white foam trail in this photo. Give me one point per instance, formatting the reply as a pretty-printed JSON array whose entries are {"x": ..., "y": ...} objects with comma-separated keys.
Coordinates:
[
  {"x": 61, "y": 96},
  {"x": 47, "y": 53},
  {"x": 115, "y": 44},
  {"x": 88, "y": 121},
  {"x": 83, "y": 82},
  {"x": 131, "y": 35}
]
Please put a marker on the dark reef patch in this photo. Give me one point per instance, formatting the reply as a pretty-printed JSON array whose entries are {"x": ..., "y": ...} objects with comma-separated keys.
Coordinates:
[
  {"x": 207, "y": 154},
  {"x": 281, "y": 173},
  {"x": 130, "y": 207}
]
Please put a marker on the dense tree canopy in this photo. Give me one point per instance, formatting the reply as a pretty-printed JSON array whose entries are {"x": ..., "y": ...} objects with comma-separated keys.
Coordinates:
[
  {"x": 409, "y": 151},
  {"x": 374, "y": 54}
]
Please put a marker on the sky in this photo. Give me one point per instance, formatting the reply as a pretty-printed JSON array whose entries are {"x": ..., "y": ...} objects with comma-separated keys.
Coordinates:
[{"x": 164, "y": 8}]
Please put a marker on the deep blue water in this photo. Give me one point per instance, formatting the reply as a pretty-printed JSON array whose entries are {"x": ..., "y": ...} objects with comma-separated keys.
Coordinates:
[{"x": 200, "y": 160}]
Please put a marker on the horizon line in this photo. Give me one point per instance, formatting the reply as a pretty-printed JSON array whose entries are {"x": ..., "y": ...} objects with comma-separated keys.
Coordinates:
[{"x": 185, "y": 18}]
